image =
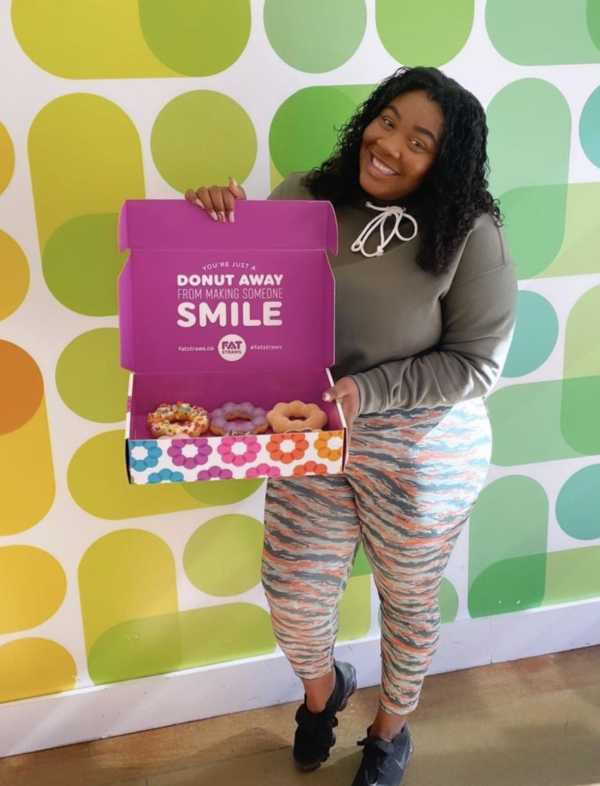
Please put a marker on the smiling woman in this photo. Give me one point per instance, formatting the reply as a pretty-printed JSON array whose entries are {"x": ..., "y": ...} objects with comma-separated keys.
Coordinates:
[
  {"x": 433, "y": 133},
  {"x": 425, "y": 309},
  {"x": 397, "y": 151}
]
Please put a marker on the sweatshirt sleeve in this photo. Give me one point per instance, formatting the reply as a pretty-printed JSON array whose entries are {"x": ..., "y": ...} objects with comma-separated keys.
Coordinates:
[{"x": 478, "y": 316}]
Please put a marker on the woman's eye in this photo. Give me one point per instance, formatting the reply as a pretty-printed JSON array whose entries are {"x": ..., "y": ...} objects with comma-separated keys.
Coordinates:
[
  {"x": 387, "y": 122},
  {"x": 417, "y": 143}
]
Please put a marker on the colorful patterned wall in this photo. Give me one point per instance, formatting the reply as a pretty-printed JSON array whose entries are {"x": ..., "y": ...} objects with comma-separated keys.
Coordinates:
[{"x": 101, "y": 581}]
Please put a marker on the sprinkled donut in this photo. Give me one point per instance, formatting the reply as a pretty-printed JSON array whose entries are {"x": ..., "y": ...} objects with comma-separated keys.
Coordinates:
[
  {"x": 178, "y": 420},
  {"x": 296, "y": 416},
  {"x": 225, "y": 420}
]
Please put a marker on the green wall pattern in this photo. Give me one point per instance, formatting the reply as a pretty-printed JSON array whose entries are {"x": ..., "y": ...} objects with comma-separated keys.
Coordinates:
[
  {"x": 116, "y": 40},
  {"x": 188, "y": 147},
  {"x": 535, "y": 335},
  {"x": 316, "y": 35},
  {"x": 430, "y": 32},
  {"x": 86, "y": 155},
  {"x": 545, "y": 32}
]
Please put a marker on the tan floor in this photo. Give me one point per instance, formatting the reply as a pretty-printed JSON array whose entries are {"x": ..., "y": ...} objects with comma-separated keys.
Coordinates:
[{"x": 535, "y": 722}]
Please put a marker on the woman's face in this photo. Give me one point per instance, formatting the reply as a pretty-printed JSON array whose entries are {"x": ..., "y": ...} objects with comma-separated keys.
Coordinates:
[{"x": 400, "y": 146}]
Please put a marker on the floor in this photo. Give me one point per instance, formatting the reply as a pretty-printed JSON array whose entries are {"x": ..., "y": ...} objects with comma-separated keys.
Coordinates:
[{"x": 534, "y": 722}]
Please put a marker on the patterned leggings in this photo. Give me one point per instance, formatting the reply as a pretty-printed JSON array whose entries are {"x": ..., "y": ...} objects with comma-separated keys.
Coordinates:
[{"x": 410, "y": 485}]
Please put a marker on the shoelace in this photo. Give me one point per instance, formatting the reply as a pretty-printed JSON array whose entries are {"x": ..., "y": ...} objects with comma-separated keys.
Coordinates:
[
  {"x": 391, "y": 211},
  {"x": 375, "y": 751}
]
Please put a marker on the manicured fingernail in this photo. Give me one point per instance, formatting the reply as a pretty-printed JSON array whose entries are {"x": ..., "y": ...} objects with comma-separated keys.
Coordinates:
[
  {"x": 231, "y": 217},
  {"x": 213, "y": 215},
  {"x": 222, "y": 217},
  {"x": 234, "y": 182},
  {"x": 199, "y": 203},
  {"x": 326, "y": 397}
]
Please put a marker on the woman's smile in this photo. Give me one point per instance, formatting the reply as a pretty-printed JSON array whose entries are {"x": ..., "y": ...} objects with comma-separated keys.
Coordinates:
[{"x": 379, "y": 168}]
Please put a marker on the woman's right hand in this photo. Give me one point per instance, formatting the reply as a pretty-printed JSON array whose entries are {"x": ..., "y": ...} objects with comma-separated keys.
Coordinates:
[{"x": 218, "y": 201}]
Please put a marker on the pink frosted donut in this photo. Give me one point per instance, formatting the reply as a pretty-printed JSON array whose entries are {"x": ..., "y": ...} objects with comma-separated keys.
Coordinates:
[{"x": 225, "y": 420}]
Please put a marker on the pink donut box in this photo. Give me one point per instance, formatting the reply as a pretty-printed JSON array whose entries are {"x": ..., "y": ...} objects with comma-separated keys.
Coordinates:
[{"x": 211, "y": 313}]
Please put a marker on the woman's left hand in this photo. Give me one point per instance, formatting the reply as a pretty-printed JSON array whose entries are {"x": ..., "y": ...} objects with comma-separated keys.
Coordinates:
[{"x": 347, "y": 393}]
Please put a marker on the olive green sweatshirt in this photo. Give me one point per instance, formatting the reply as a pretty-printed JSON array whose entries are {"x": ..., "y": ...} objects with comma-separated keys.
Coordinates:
[{"x": 410, "y": 338}]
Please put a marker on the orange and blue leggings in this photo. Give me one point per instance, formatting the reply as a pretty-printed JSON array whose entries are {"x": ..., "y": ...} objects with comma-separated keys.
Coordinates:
[{"x": 409, "y": 487}]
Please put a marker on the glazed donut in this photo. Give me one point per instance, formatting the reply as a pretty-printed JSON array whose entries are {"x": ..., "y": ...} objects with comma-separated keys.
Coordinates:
[
  {"x": 178, "y": 420},
  {"x": 296, "y": 416},
  {"x": 222, "y": 420}
]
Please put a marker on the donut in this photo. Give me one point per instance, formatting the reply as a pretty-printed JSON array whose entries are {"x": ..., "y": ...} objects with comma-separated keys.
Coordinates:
[
  {"x": 296, "y": 416},
  {"x": 223, "y": 420},
  {"x": 178, "y": 420}
]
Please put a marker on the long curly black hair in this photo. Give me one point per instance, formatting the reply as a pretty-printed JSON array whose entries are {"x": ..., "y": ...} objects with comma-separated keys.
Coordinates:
[{"x": 455, "y": 190}]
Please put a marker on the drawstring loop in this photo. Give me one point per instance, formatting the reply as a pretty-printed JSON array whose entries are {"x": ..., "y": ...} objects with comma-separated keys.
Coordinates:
[{"x": 391, "y": 211}]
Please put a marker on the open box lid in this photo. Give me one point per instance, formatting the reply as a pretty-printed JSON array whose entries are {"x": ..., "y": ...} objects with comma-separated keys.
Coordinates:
[{"x": 200, "y": 295}]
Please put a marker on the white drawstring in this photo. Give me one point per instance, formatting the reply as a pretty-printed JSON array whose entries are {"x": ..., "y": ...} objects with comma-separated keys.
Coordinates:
[{"x": 398, "y": 214}]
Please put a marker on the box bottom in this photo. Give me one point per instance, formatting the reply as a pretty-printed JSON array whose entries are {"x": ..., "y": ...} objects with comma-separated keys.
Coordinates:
[{"x": 208, "y": 458}]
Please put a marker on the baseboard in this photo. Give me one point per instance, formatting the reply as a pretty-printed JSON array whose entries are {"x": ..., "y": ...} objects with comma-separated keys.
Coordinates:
[{"x": 137, "y": 705}]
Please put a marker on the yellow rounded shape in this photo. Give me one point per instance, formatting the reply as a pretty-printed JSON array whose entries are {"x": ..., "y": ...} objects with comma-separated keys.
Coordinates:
[
  {"x": 35, "y": 667},
  {"x": 125, "y": 575},
  {"x": 32, "y": 587},
  {"x": 7, "y": 158},
  {"x": 27, "y": 497},
  {"x": 14, "y": 270},
  {"x": 85, "y": 158},
  {"x": 86, "y": 40}
]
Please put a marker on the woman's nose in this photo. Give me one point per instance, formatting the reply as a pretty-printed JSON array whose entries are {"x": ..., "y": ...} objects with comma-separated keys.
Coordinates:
[{"x": 392, "y": 148}]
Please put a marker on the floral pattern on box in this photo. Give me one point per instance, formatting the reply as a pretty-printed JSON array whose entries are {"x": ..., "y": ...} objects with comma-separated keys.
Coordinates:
[{"x": 229, "y": 458}]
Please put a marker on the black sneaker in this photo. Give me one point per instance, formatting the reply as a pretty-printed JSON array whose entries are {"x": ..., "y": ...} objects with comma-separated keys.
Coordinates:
[
  {"x": 314, "y": 735},
  {"x": 384, "y": 762}
]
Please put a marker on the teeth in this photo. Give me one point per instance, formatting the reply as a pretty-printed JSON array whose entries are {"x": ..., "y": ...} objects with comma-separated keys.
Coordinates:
[{"x": 382, "y": 167}]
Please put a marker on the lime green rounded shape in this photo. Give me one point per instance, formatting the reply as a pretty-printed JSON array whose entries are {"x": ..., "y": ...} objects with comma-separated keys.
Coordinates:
[
  {"x": 582, "y": 350},
  {"x": 544, "y": 32},
  {"x": 303, "y": 132},
  {"x": 196, "y": 37},
  {"x": 315, "y": 36},
  {"x": 509, "y": 585},
  {"x": 89, "y": 377},
  {"x": 509, "y": 520},
  {"x": 448, "y": 600},
  {"x": 427, "y": 32},
  {"x": 593, "y": 22},
  {"x": 201, "y": 138},
  {"x": 81, "y": 265},
  {"x": 165, "y": 643},
  {"x": 223, "y": 556}
]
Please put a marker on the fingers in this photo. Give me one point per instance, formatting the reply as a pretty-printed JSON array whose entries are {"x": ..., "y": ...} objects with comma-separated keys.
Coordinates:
[
  {"x": 218, "y": 201},
  {"x": 346, "y": 394},
  {"x": 229, "y": 202},
  {"x": 192, "y": 197},
  {"x": 203, "y": 200},
  {"x": 237, "y": 191},
  {"x": 337, "y": 393}
]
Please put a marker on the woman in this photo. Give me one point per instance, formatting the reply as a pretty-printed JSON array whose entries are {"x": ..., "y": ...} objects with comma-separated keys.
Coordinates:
[{"x": 426, "y": 301}]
